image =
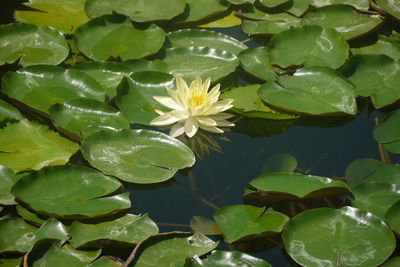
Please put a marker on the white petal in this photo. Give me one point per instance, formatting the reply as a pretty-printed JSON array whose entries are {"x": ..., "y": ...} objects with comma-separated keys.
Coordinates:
[
  {"x": 206, "y": 121},
  {"x": 179, "y": 114},
  {"x": 159, "y": 112},
  {"x": 206, "y": 84},
  {"x": 214, "y": 94},
  {"x": 167, "y": 101},
  {"x": 163, "y": 120},
  {"x": 219, "y": 107},
  {"x": 221, "y": 116},
  {"x": 177, "y": 130},
  {"x": 195, "y": 86},
  {"x": 211, "y": 129},
  {"x": 191, "y": 127},
  {"x": 183, "y": 88}
]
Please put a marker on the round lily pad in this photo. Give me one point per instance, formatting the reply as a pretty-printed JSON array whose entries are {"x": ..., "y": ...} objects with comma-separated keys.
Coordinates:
[
  {"x": 388, "y": 132},
  {"x": 256, "y": 62},
  {"x": 7, "y": 180},
  {"x": 343, "y": 18},
  {"x": 272, "y": 3},
  {"x": 343, "y": 237},
  {"x": 8, "y": 111},
  {"x": 135, "y": 95},
  {"x": 16, "y": 235},
  {"x": 128, "y": 230},
  {"x": 384, "y": 46},
  {"x": 140, "y": 11},
  {"x": 392, "y": 216},
  {"x": 192, "y": 62},
  {"x": 65, "y": 16},
  {"x": 114, "y": 36},
  {"x": 310, "y": 45},
  {"x": 240, "y": 221},
  {"x": 311, "y": 90},
  {"x": 211, "y": 39},
  {"x": 392, "y": 262},
  {"x": 196, "y": 10},
  {"x": 71, "y": 192},
  {"x": 390, "y": 6},
  {"x": 273, "y": 24},
  {"x": 220, "y": 258},
  {"x": 376, "y": 197},
  {"x": 41, "y": 86},
  {"x": 225, "y": 20},
  {"x": 32, "y": 44},
  {"x": 137, "y": 156},
  {"x": 376, "y": 76},
  {"x": 86, "y": 116},
  {"x": 281, "y": 185},
  {"x": 299, "y": 7}
]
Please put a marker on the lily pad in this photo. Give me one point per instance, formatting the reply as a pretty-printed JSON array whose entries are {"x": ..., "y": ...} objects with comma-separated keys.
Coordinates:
[
  {"x": 16, "y": 235},
  {"x": 388, "y": 132},
  {"x": 376, "y": 197},
  {"x": 281, "y": 185},
  {"x": 31, "y": 44},
  {"x": 66, "y": 256},
  {"x": 343, "y": 18},
  {"x": 128, "y": 230},
  {"x": 367, "y": 169},
  {"x": 41, "y": 147},
  {"x": 248, "y": 103},
  {"x": 86, "y": 116},
  {"x": 42, "y": 86},
  {"x": 192, "y": 62},
  {"x": 71, "y": 192},
  {"x": 392, "y": 262},
  {"x": 198, "y": 10},
  {"x": 392, "y": 216},
  {"x": 220, "y": 258},
  {"x": 227, "y": 21},
  {"x": 352, "y": 237},
  {"x": 256, "y": 62},
  {"x": 311, "y": 90},
  {"x": 30, "y": 216},
  {"x": 376, "y": 76},
  {"x": 8, "y": 111},
  {"x": 136, "y": 65},
  {"x": 390, "y": 6},
  {"x": 137, "y": 156},
  {"x": 273, "y": 24},
  {"x": 310, "y": 45},
  {"x": 52, "y": 229},
  {"x": 7, "y": 180},
  {"x": 140, "y": 11},
  {"x": 11, "y": 262},
  {"x": 359, "y": 4},
  {"x": 105, "y": 261},
  {"x": 65, "y": 16},
  {"x": 299, "y": 7},
  {"x": 113, "y": 36},
  {"x": 240, "y": 221},
  {"x": 383, "y": 46},
  {"x": 272, "y": 3},
  {"x": 204, "y": 225},
  {"x": 174, "y": 251},
  {"x": 135, "y": 95},
  {"x": 211, "y": 39},
  {"x": 279, "y": 163}
]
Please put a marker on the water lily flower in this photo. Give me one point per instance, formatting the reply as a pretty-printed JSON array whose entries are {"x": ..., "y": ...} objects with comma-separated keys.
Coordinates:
[{"x": 193, "y": 107}]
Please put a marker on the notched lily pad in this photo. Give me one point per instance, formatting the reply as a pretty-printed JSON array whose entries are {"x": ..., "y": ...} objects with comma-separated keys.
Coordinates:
[
  {"x": 137, "y": 156},
  {"x": 113, "y": 36},
  {"x": 243, "y": 221},
  {"x": 256, "y": 62},
  {"x": 32, "y": 44},
  {"x": 71, "y": 192},
  {"x": 388, "y": 132},
  {"x": 281, "y": 185}
]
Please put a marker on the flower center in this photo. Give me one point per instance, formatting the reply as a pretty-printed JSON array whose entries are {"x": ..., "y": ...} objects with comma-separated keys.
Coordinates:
[{"x": 198, "y": 99}]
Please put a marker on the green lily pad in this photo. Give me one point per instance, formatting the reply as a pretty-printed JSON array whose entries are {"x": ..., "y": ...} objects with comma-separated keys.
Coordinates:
[
  {"x": 66, "y": 256},
  {"x": 113, "y": 36},
  {"x": 211, "y": 39},
  {"x": 388, "y": 132},
  {"x": 359, "y": 4},
  {"x": 87, "y": 116},
  {"x": 30, "y": 216},
  {"x": 281, "y": 185},
  {"x": 220, "y": 258},
  {"x": 140, "y": 11},
  {"x": 376, "y": 197},
  {"x": 192, "y": 62},
  {"x": 65, "y": 16},
  {"x": 198, "y": 10},
  {"x": 392, "y": 262},
  {"x": 174, "y": 251},
  {"x": 127, "y": 230},
  {"x": 248, "y": 103},
  {"x": 105, "y": 261},
  {"x": 351, "y": 237},
  {"x": 204, "y": 225},
  {"x": 135, "y": 95},
  {"x": 279, "y": 163},
  {"x": 32, "y": 44},
  {"x": 42, "y": 86},
  {"x": 383, "y": 46},
  {"x": 299, "y": 7},
  {"x": 41, "y": 147},
  {"x": 240, "y": 221},
  {"x": 52, "y": 229},
  {"x": 7, "y": 180},
  {"x": 344, "y": 19},
  {"x": 392, "y": 216},
  {"x": 71, "y": 192},
  {"x": 310, "y": 45},
  {"x": 137, "y": 156},
  {"x": 136, "y": 65},
  {"x": 273, "y": 24},
  {"x": 11, "y": 262},
  {"x": 256, "y": 62},
  {"x": 226, "y": 21},
  {"x": 8, "y": 111},
  {"x": 16, "y": 235},
  {"x": 367, "y": 169},
  {"x": 240, "y": 2},
  {"x": 376, "y": 76},
  {"x": 311, "y": 90},
  {"x": 390, "y": 6},
  {"x": 272, "y": 3}
]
